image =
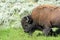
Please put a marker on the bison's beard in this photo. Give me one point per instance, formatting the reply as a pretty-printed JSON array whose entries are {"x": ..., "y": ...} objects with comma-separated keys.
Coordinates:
[{"x": 31, "y": 30}]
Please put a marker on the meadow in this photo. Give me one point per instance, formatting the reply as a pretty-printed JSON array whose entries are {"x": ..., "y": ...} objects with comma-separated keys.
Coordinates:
[
  {"x": 11, "y": 12},
  {"x": 18, "y": 34}
]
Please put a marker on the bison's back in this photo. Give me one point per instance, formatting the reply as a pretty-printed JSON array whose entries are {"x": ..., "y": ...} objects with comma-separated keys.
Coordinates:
[{"x": 46, "y": 13}]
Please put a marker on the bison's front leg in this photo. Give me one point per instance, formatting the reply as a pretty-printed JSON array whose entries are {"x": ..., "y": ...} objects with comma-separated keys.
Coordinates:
[{"x": 46, "y": 31}]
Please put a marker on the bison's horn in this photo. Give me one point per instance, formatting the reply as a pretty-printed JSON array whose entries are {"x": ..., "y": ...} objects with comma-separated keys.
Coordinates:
[{"x": 27, "y": 19}]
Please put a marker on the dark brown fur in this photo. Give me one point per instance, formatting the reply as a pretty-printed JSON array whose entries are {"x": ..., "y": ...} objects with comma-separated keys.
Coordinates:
[{"x": 29, "y": 26}]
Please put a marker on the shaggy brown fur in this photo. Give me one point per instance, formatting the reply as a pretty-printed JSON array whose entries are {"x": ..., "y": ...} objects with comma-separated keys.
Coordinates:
[{"x": 47, "y": 16}]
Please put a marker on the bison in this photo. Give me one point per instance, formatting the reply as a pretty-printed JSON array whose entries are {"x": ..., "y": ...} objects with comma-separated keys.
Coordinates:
[
  {"x": 29, "y": 26},
  {"x": 43, "y": 17},
  {"x": 47, "y": 16}
]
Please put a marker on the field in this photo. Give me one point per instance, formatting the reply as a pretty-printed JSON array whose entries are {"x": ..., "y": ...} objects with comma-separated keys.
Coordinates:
[{"x": 18, "y": 34}]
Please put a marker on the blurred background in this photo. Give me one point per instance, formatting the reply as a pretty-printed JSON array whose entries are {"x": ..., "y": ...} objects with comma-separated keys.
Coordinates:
[{"x": 11, "y": 11}]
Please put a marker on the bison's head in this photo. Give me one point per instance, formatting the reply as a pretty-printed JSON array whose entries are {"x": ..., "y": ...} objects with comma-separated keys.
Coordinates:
[{"x": 27, "y": 24}]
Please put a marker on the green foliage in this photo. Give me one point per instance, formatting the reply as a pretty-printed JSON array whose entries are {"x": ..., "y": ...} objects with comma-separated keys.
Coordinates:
[{"x": 18, "y": 34}]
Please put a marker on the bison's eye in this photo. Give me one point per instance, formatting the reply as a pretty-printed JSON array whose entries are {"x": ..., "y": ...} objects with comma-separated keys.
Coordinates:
[{"x": 29, "y": 22}]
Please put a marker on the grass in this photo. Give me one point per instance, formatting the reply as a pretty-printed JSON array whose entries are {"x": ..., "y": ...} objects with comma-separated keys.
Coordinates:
[{"x": 18, "y": 34}]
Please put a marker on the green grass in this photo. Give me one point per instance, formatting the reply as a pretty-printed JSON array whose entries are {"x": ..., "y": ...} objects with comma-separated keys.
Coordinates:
[{"x": 18, "y": 34}]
